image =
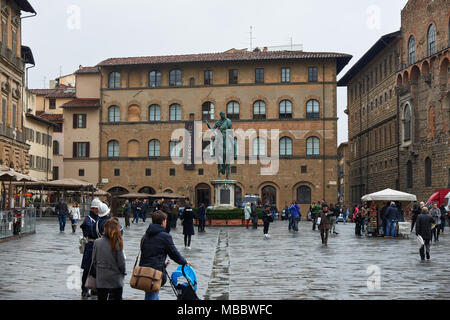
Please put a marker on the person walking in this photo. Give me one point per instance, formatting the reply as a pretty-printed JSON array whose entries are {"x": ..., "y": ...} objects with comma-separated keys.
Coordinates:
[
  {"x": 174, "y": 215},
  {"x": 201, "y": 215},
  {"x": 365, "y": 215},
  {"x": 247, "y": 214},
  {"x": 316, "y": 208},
  {"x": 336, "y": 212},
  {"x": 188, "y": 225},
  {"x": 267, "y": 219},
  {"x": 134, "y": 206},
  {"x": 443, "y": 217},
  {"x": 424, "y": 222},
  {"x": 295, "y": 215},
  {"x": 156, "y": 245},
  {"x": 108, "y": 261},
  {"x": 165, "y": 208},
  {"x": 127, "y": 213},
  {"x": 436, "y": 215},
  {"x": 144, "y": 208},
  {"x": 415, "y": 213},
  {"x": 345, "y": 214},
  {"x": 89, "y": 228},
  {"x": 62, "y": 211},
  {"x": 74, "y": 213},
  {"x": 325, "y": 223},
  {"x": 358, "y": 219},
  {"x": 391, "y": 220},
  {"x": 254, "y": 215}
]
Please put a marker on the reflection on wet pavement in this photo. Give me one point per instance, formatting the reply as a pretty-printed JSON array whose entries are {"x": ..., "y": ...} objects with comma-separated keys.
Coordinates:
[{"x": 235, "y": 263}]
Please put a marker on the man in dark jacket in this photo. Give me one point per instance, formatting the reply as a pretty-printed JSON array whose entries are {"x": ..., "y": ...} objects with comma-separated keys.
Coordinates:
[
  {"x": 62, "y": 211},
  {"x": 156, "y": 245},
  {"x": 423, "y": 228},
  {"x": 254, "y": 215},
  {"x": 201, "y": 215},
  {"x": 89, "y": 228},
  {"x": 325, "y": 223},
  {"x": 391, "y": 220},
  {"x": 416, "y": 210}
]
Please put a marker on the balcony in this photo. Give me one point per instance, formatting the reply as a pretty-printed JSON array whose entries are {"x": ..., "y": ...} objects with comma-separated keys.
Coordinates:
[{"x": 7, "y": 54}]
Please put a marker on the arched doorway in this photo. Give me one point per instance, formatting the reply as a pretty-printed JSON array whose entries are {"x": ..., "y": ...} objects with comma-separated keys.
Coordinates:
[
  {"x": 115, "y": 201},
  {"x": 202, "y": 194},
  {"x": 168, "y": 191},
  {"x": 269, "y": 195},
  {"x": 148, "y": 190},
  {"x": 304, "y": 195}
]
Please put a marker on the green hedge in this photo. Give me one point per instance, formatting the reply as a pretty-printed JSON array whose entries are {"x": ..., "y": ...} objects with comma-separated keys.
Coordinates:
[{"x": 237, "y": 213}]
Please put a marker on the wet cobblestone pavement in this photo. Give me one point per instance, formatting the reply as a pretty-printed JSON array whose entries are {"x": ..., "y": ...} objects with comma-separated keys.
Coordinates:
[{"x": 235, "y": 263}]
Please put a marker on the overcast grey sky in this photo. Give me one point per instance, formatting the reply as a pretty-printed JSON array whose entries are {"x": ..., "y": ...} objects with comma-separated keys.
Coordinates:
[{"x": 67, "y": 33}]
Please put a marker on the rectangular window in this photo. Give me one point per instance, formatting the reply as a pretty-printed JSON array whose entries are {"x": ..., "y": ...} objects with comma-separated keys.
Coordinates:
[
  {"x": 14, "y": 116},
  {"x": 4, "y": 32},
  {"x": 259, "y": 75},
  {"x": 52, "y": 104},
  {"x": 58, "y": 128},
  {"x": 303, "y": 169},
  {"x": 14, "y": 42},
  {"x": 148, "y": 172},
  {"x": 79, "y": 121},
  {"x": 172, "y": 172},
  {"x": 117, "y": 172},
  {"x": 81, "y": 149},
  {"x": 200, "y": 172},
  {"x": 285, "y": 75},
  {"x": 55, "y": 173},
  {"x": 233, "y": 76},
  {"x": 233, "y": 169},
  {"x": 312, "y": 74},
  {"x": 208, "y": 80},
  {"x": 81, "y": 172}
]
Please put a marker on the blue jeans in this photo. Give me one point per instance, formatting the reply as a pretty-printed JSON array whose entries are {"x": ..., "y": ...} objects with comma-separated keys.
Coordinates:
[
  {"x": 295, "y": 224},
  {"x": 136, "y": 217},
  {"x": 290, "y": 222},
  {"x": 62, "y": 222},
  {"x": 151, "y": 296},
  {"x": 391, "y": 227}
]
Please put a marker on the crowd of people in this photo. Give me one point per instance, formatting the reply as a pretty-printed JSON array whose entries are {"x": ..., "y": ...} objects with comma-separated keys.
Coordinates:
[{"x": 102, "y": 242}]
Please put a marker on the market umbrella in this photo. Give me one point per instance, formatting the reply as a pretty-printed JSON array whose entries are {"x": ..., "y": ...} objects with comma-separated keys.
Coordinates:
[
  {"x": 389, "y": 195},
  {"x": 167, "y": 195},
  {"x": 102, "y": 193},
  {"x": 134, "y": 195}
]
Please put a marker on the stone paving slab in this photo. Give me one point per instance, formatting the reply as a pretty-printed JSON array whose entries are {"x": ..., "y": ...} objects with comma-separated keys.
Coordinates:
[{"x": 235, "y": 263}]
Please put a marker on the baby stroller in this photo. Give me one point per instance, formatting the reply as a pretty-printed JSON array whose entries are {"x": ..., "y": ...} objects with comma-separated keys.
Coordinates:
[{"x": 183, "y": 290}]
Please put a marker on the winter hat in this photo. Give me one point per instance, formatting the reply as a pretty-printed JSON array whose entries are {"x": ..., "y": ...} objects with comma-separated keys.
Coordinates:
[
  {"x": 95, "y": 203},
  {"x": 103, "y": 209}
]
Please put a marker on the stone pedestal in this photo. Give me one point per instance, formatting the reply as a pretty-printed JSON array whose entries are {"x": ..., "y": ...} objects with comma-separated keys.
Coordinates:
[{"x": 224, "y": 193}]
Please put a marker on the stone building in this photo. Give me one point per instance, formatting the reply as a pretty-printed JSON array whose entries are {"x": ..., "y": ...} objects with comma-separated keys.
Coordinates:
[
  {"x": 13, "y": 57},
  {"x": 405, "y": 145},
  {"x": 145, "y": 99},
  {"x": 343, "y": 185}
]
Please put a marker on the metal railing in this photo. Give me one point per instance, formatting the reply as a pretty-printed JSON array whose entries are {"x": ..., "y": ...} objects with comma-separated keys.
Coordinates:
[{"x": 17, "y": 221}]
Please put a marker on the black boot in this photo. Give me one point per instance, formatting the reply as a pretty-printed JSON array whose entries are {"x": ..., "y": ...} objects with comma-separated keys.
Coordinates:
[
  {"x": 422, "y": 253},
  {"x": 428, "y": 256}
]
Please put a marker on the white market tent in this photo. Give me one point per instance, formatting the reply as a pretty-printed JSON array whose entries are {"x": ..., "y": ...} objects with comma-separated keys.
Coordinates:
[{"x": 389, "y": 195}]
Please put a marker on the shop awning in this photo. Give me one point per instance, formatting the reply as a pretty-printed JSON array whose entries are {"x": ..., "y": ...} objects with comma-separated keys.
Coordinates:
[{"x": 389, "y": 195}]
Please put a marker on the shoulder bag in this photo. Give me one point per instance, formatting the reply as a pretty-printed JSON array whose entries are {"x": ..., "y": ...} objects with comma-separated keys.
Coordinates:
[{"x": 145, "y": 278}]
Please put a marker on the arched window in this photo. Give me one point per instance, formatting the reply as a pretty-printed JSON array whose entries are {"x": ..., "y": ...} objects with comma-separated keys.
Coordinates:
[
  {"x": 304, "y": 195},
  {"x": 114, "y": 114},
  {"x": 55, "y": 147},
  {"x": 285, "y": 109},
  {"x": 148, "y": 190},
  {"x": 313, "y": 146},
  {"x": 312, "y": 109},
  {"x": 431, "y": 40},
  {"x": 175, "y": 112},
  {"x": 113, "y": 149},
  {"x": 233, "y": 110},
  {"x": 259, "y": 110},
  {"x": 409, "y": 174},
  {"x": 208, "y": 111},
  {"x": 175, "y": 149},
  {"x": 154, "y": 79},
  {"x": 175, "y": 78},
  {"x": 411, "y": 50},
  {"x": 285, "y": 146},
  {"x": 154, "y": 149},
  {"x": 269, "y": 195},
  {"x": 259, "y": 147},
  {"x": 154, "y": 113},
  {"x": 428, "y": 172},
  {"x": 407, "y": 124},
  {"x": 114, "y": 80}
]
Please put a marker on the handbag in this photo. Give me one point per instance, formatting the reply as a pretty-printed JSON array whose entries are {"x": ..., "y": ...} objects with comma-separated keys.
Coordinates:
[
  {"x": 420, "y": 241},
  {"x": 319, "y": 220},
  {"x": 91, "y": 282},
  {"x": 145, "y": 278}
]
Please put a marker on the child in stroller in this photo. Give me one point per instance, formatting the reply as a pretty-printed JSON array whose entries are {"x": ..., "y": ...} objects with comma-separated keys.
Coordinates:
[{"x": 184, "y": 290}]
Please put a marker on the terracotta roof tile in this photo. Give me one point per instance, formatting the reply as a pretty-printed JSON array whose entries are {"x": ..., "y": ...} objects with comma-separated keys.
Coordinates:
[
  {"x": 85, "y": 70},
  {"x": 60, "y": 92},
  {"x": 342, "y": 58},
  {"x": 82, "y": 103},
  {"x": 53, "y": 117}
]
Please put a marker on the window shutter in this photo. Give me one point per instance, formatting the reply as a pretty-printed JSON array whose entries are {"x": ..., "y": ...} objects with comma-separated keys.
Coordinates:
[
  {"x": 75, "y": 124},
  {"x": 87, "y": 149},
  {"x": 74, "y": 150},
  {"x": 84, "y": 120}
]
